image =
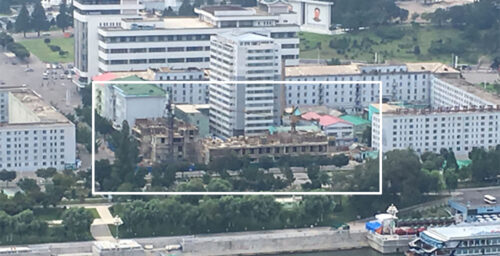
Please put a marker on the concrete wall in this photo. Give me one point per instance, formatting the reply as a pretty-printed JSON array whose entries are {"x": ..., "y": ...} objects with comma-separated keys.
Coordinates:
[
  {"x": 265, "y": 242},
  {"x": 18, "y": 113}
]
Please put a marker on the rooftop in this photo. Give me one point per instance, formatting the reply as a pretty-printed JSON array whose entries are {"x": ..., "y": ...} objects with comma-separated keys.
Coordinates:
[
  {"x": 214, "y": 8},
  {"x": 327, "y": 120},
  {"x": 386, "y": 107},
  {"x": 185, "y": 22},
  {"x": 321, "y": 70},
  {"x": 434, "y": 67},
  {"x": 34, "y": 109},
  {"x": 285, "y": 138},
  {"x": 119, "y": 245},
  {"x": 191, "y": 108},
  {"x": 138, "y": 90},
  {"x": 300, "y": 128},
  {"x": 472, "y": 89},
  {"x": 464, "y": 231},
  {"x": 324, "y": 70},
  {"x": 356, "y": 120},
  {"x": 244, "y": 37}
]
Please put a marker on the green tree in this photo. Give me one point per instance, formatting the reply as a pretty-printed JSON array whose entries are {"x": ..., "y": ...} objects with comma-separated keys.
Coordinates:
[
  {"x": 23, "y": 21},
  {"x": 219, "y": 185},
  {"x": 28, "y": 185},
  {"x": 39, "y": 19},
  {"x": 169, "y": 12},
  {"x": 317, "y": 207},
  {"x": 367, "y": 136},
  {"x": 76, "y": 222},
  {"x": 186, "y": 9},
  {"x": 46, "y": 173},
  {"x": 63, "y": 19},
  {"x": 7, "y": 176},
  {"x": 450, "y": 179},
  {"x": 5, "y": 39}
]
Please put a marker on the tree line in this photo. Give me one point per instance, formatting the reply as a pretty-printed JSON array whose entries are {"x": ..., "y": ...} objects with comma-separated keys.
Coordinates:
[
  {"x": 6, "y": 41},
  {"x": 479, "y": 23},
  {"x": 175, "y": 216},
  {"x": 25, "y": 227},
  {"x": 37, "y": 21},
  {"x": 354, "y": 14}
]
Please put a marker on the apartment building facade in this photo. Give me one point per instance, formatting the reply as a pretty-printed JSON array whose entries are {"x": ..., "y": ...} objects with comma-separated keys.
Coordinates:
[
  {"x": 250, "y": 108},
  {"x": 89, "y": 15},
  {"x": 424, "y": 130},
  {"x": 33, "y": 134},
  {"x": 180, "y": 42},
  {"x": 409, "y": 82}
]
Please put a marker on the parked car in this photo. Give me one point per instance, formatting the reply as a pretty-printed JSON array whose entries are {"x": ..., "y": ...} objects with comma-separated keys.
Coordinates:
[
  {"x": 48, "y": 66},
  {"x": 28, "y": 70},
  {"x": 69, "y": 77}
]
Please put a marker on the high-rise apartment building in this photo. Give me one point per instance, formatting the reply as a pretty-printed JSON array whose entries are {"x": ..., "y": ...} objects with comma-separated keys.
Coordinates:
[
  {"x": 89, "y": 15},
  {"x": 250, "y": 108}
]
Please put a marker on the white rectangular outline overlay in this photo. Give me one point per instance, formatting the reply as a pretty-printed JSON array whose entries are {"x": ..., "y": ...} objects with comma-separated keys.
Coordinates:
[{"x": 135, "y": 193}]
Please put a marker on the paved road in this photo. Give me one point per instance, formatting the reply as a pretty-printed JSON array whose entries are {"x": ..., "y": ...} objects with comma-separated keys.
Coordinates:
[
  {"x": 53, "y": 91},
  {"x": 477, "y": 77}
]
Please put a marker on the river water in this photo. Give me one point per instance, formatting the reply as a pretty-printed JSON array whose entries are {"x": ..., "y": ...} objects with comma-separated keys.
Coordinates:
[{"x": 356, "y": 252}]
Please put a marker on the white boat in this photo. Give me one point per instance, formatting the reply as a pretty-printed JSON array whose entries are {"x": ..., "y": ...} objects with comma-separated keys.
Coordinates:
[{"x": 457, "y": 240}]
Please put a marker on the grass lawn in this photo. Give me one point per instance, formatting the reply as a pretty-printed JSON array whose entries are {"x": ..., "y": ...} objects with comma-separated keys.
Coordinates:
[
  {"x": 43, "y": 52},
  {"x": 94, "y": 213},
  {"x": 395, "y": 50},
  {"x": 48, "y": 213}
]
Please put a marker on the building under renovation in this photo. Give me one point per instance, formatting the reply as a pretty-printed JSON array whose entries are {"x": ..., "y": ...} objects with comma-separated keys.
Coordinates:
[
  {"x": 159, "y": 143},
  {"x": 271, "y": 145}
]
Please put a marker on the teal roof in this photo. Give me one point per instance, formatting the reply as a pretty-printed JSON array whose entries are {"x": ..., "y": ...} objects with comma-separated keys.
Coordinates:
[
  {"x": 356, "y": 120},
  {"x": 145, "y": 90}
]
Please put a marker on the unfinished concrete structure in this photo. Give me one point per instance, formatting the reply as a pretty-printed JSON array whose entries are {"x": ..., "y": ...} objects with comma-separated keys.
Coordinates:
[
  {"x": 158, "y": 144},
  {"x": 271, "y": 145}
]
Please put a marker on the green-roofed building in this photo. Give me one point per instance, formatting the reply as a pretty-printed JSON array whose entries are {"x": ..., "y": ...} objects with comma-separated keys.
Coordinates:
[
  {"x": 359, "y": 127},
  {"x": 127, "y": 102}
]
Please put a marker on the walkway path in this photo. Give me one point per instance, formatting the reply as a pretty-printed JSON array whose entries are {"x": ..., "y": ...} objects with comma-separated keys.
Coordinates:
[{"x": 99, "y": 228}]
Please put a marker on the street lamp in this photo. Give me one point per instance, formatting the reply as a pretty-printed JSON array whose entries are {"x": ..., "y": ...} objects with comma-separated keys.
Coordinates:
[{"x": 117, "y": 221}]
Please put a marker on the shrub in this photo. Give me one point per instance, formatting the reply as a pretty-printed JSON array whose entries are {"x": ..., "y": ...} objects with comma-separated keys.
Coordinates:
[
  {"x": 46, "y": 40},
  {"x": 54, "y": 48}
]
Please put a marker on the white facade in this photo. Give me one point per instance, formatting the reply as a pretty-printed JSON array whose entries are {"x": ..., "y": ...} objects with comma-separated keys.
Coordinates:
[
  {"x": 459, "y": 131},
  {"x": 243, "y": 109},
  {"x": 117, "y": 103},
  {"x": 89, "y": 15},
  {"x": 33, "y": 134},
  {"x": 180, "y": 42},
  {"x": 342, "y": 131},
  {"x": 183, "y": 93},
  {"x": 409, "y": 83},
  {"x": 454, "y": 92}
]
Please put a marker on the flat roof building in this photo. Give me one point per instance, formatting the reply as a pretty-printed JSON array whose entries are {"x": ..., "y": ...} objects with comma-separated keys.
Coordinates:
[
  {"x": 127, "y": 102},
  {"x": 182, "y": 42},
  {"x": 33, "y": 134}
]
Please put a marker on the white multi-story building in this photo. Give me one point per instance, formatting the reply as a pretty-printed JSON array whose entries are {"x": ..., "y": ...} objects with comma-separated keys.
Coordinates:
[
  {"x": 189, "y": 93},
  {"x": 455, "y": 129},
  {"x": 452, "y": 92},
  {"x": 33, "y": 135},
  {"x": 409, "y": 82},
  {"x": 128, "y": 102},
  {"x": 88, "y": 16},
  {"x": 243, "y": 109},
  {"x": 183, "y": 42}
]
